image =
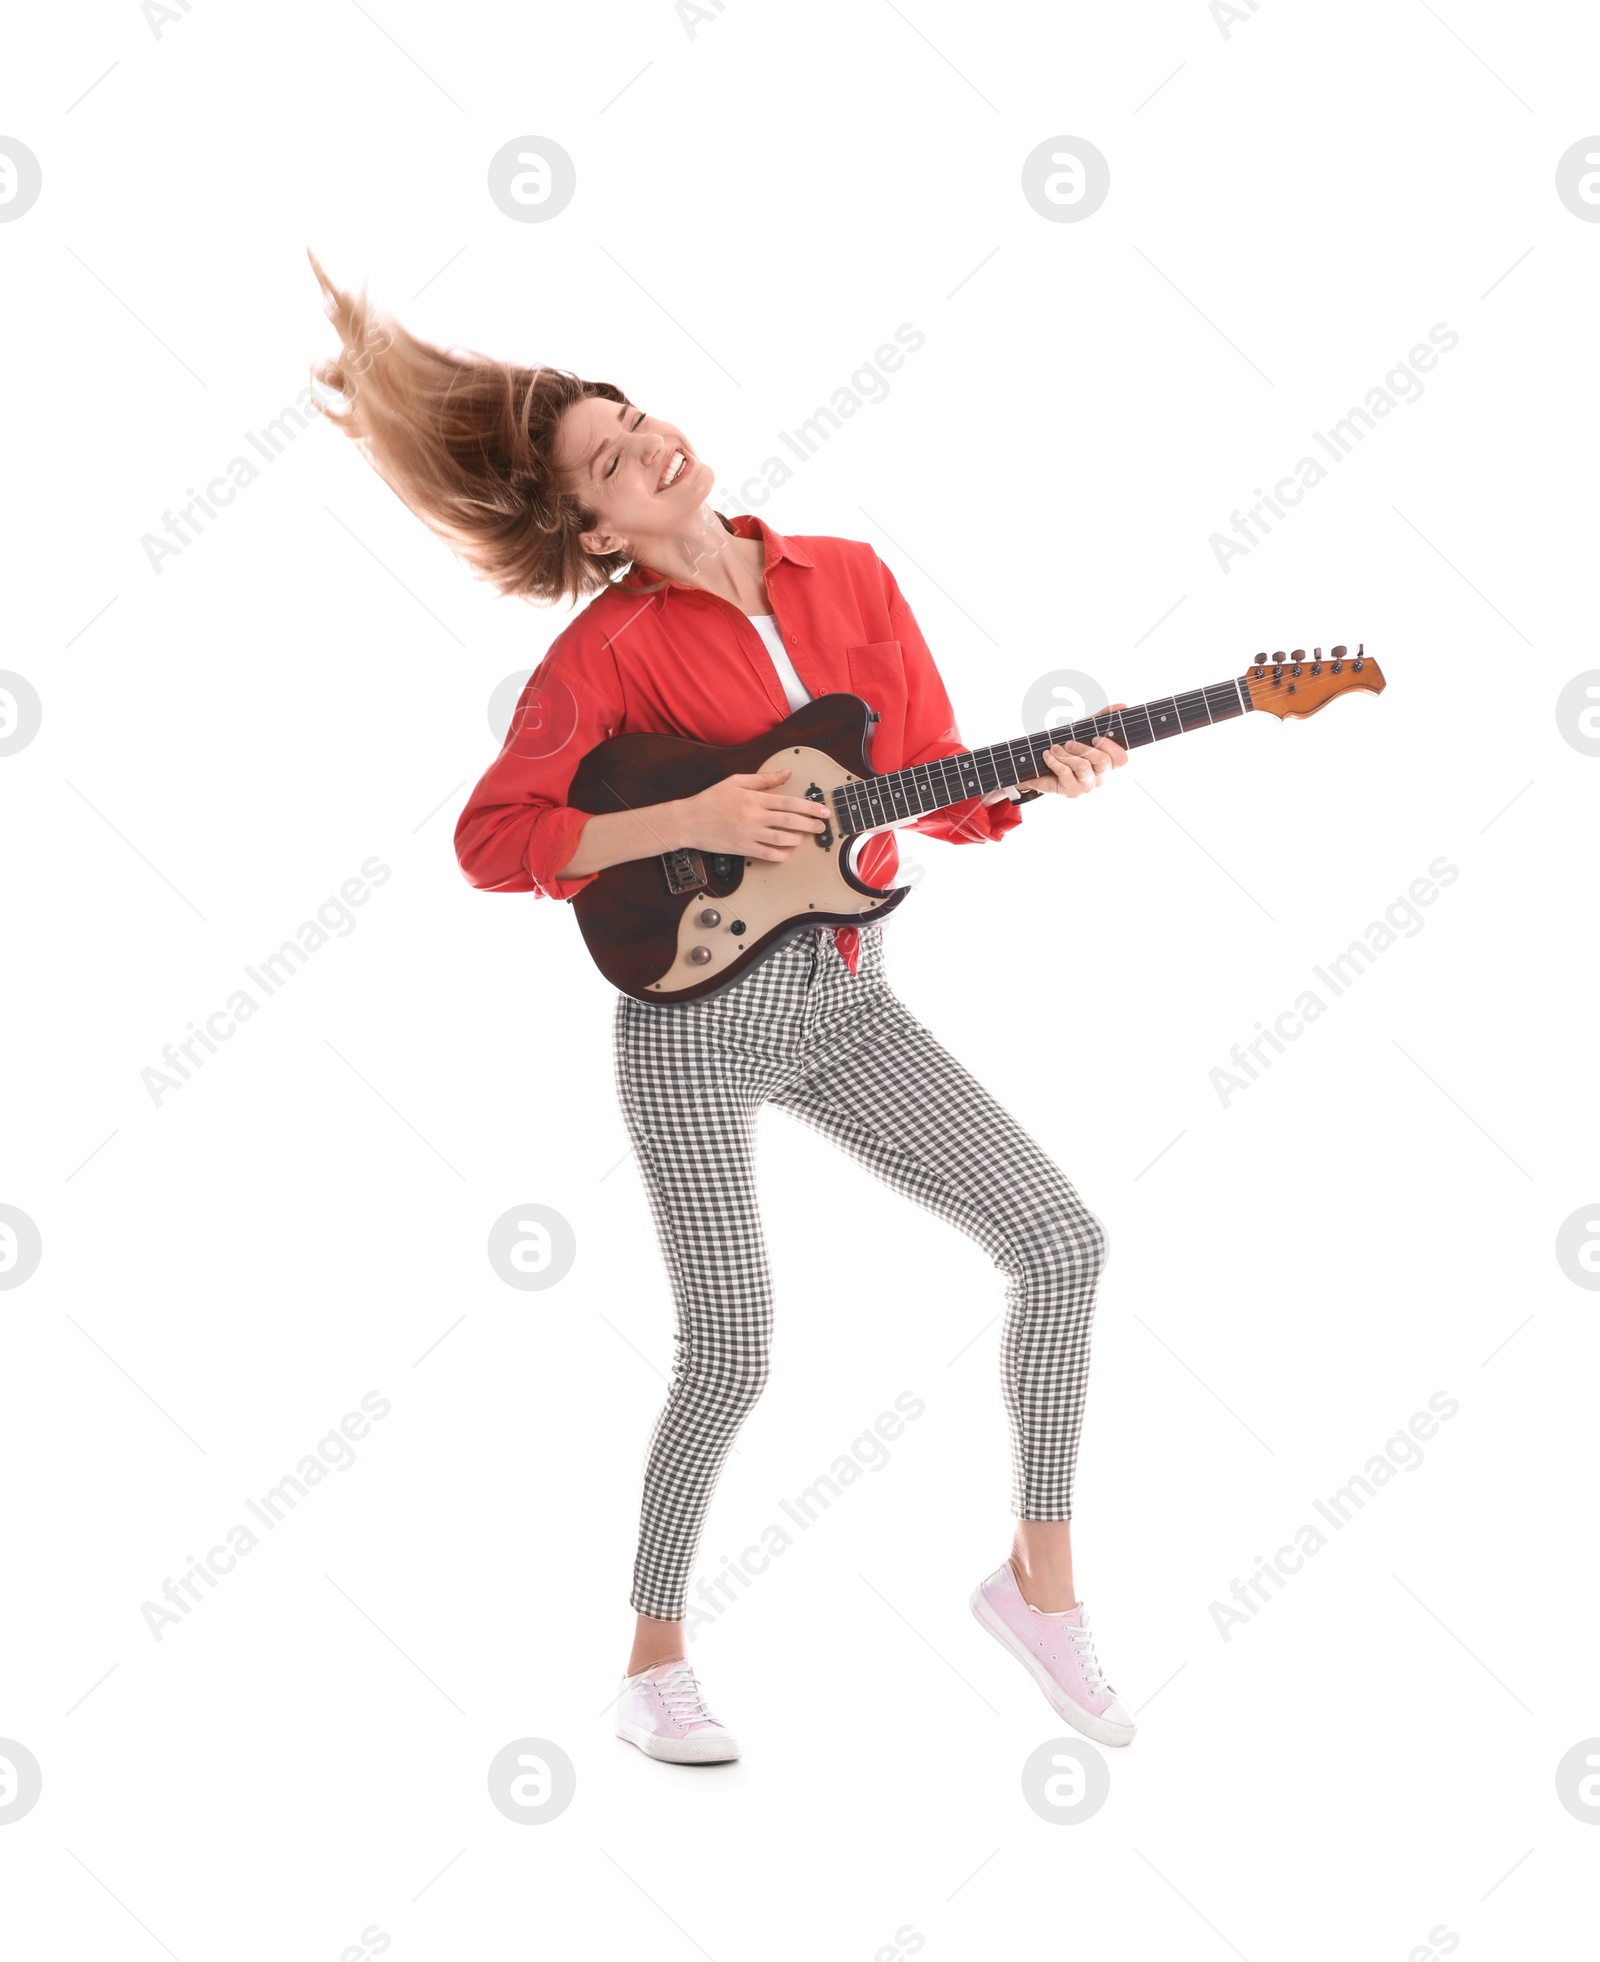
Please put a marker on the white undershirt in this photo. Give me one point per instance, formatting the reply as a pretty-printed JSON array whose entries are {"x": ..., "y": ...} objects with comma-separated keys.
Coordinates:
[{"x": 794, "y": 688}]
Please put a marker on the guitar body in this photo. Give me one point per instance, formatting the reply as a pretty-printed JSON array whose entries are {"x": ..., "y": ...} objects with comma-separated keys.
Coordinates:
[{"x": 687, "y": 924}]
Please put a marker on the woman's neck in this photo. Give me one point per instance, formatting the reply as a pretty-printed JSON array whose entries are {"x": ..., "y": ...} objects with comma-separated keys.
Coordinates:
[{"x": 717, "y": 561}]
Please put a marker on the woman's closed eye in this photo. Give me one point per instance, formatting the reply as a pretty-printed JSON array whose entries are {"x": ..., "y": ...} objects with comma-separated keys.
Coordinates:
[{"x": 618, "y": 457}]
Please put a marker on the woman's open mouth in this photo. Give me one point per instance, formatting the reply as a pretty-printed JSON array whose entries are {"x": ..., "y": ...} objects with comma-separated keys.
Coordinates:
[{"x": 677, "y": 465}]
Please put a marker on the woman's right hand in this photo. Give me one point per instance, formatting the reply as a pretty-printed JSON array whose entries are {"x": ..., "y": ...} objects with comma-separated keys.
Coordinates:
[{"x": 745, "y": 816}]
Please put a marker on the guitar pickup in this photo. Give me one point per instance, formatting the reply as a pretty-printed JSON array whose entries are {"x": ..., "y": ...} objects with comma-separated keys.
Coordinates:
[
  {"x": 823, "y": 838},
  {"x": 685, "y": 871}
]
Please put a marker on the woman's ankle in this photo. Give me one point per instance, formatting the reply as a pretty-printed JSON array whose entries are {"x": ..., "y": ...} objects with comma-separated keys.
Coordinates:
[
  {"x": 1041, "y": 1559},
  {"x": 655, "y": 1642},
  {"x": 1050, "y": 1594}
]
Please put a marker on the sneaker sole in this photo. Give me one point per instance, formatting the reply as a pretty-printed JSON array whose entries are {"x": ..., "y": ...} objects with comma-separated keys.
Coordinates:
[
  {"x": 699, "y": 1747},
  {"x": 1080, "y": 1719}
]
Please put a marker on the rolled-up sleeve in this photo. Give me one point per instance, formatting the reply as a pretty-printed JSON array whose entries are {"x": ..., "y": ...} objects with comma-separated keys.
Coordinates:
[
  {"x": 931, "y": 732},
  {"x": 518, "y": 829}
]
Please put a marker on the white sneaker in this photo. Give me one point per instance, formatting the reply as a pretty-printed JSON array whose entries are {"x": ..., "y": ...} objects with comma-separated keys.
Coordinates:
[
  {"x": 1057, "y": 1650},
  {"x": 663, "y": 1711}
]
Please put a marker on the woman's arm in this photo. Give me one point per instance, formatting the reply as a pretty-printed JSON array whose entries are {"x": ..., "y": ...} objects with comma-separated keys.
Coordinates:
[
  {"x": 747, "y": 815},
  {"x": 613, "y": 837},
  {"x": 518, "y": 831},
  {"x": 931, "y": 732}
]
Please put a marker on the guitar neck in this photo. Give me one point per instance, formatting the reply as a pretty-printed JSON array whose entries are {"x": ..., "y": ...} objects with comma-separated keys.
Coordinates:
[{"x": 927, "y": 787}]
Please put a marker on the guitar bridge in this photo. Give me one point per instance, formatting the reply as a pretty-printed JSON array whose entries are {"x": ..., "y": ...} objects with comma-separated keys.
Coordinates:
[{"x": 685, "y": 871}]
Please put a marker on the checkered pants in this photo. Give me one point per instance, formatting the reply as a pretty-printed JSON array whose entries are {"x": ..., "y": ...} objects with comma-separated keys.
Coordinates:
[{"x": 844, "y": 1055}]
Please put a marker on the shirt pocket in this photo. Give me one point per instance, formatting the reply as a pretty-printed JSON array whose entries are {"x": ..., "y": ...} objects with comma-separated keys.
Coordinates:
[{"x": 878, "y": 676}]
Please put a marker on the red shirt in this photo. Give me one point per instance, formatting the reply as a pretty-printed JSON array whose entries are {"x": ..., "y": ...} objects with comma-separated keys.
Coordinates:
[{"x": 686, "y": 662}]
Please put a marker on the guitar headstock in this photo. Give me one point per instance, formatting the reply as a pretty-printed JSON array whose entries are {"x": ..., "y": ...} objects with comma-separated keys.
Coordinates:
[{"x": 1290, "y": 684}]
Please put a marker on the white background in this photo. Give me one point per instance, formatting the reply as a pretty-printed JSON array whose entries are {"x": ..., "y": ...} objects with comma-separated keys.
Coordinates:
[{"x": 299, "y": 1767}]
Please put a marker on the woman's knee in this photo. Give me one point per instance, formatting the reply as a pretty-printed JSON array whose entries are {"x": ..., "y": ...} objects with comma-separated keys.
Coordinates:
[
  {"x": 1064, "y": 1242},
  {"x": 727, "y": 1386}
]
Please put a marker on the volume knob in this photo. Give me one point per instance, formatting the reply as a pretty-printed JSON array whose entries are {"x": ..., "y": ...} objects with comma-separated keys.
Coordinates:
[
  {"x": 698, "y": 956},
  {"x": 710, "y": 916}
]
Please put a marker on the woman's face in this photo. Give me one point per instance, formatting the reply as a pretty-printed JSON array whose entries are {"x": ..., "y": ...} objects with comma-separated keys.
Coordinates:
[{"x": 634, "y": 470}]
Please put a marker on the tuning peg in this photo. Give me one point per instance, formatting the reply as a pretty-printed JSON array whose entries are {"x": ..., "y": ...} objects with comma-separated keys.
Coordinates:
[
  {"x": 1279, "y": 655},
  {"x": 1338, "y": 658},
  {"x": 1356, "y": 664}
]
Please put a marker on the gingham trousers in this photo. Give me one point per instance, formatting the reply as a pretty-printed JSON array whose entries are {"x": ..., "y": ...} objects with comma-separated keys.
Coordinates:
[{"x": 843, "y": 1054}]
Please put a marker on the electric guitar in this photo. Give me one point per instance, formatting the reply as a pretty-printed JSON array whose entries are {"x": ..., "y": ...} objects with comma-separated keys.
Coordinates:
[{"x": 687, "y": 924}]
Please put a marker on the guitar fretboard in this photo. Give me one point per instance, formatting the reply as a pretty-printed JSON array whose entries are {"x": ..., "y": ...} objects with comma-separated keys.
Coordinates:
[{"x": 926, "y": 787}]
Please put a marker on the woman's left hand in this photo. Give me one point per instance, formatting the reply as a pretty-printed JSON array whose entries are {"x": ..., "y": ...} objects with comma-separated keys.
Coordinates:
[{"x": 1076, "y": 768}]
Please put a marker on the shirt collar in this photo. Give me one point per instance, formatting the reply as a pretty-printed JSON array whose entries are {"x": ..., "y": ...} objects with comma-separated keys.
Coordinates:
[{"x": 742, "y": 525}]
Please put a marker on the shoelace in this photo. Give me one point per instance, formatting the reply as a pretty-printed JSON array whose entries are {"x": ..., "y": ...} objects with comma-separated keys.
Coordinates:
[
  {"x": 1088, "y": 1662},
  {"x": 685, "y": 1702}
]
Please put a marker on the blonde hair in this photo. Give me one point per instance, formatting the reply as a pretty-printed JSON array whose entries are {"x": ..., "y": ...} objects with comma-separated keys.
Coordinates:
[{"x": 467, "y": 442}]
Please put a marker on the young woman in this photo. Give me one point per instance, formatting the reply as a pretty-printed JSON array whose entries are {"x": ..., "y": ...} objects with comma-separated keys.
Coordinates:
[{"x": 554, "y": 488}]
